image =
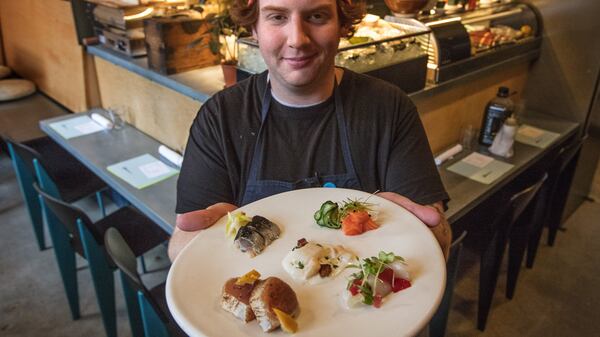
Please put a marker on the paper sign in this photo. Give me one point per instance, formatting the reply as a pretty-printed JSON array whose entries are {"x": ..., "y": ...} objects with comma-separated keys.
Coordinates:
[
  {"x": 477, "y": 159},
  {"x": 481, "y": 168},
  {"x": 154, "y": 169},
  {"x": 87, "y": 128},
  {"x": 535, "y": 137},
  {"x": 142, "y": 171},
  {"x": 75, "y": 127},
  {"x": 530, "y": 131}
]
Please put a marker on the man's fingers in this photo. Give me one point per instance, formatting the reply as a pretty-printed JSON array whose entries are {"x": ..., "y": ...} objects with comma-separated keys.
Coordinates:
[
  {"x": 429, "y": 215},
  {"x": 203, "y": 218},
  {"x": 223, "y": 207}
]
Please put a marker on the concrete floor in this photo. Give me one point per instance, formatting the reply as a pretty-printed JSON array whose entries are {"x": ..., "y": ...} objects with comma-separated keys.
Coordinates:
[
  {"x": 32, "y": 297},
  {"x": 558, "y": 297}
]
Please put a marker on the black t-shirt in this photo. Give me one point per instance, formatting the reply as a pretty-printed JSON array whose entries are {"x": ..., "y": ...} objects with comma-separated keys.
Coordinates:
[{"x": 389, "y": 147}]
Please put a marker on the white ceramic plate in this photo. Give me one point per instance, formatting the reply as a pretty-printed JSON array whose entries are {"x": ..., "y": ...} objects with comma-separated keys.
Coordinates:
[{"x": 196, "y": 277}]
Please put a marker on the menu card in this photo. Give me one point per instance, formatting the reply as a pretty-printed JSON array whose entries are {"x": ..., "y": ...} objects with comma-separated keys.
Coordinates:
[
  {"x": 533, "y": 136},
  {"x": 75, "y": 127},
  {"x": 481, "y": 168},
  {"x": 142, "y": 171}
]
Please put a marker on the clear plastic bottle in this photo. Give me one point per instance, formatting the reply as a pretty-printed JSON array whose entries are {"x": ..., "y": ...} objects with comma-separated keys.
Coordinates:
[{"x": 496, "y": 112}]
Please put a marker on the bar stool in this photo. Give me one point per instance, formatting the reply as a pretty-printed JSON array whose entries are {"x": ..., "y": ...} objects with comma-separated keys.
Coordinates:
[
  {"x": 495, "y": 244},
  {"x": 150, "y": 304},
  {"x": 553, "y": 197},
  {"x": 74, "y": 233},
  {"x": 437, "y": 326},
  {"x": 71, "y": 179}
]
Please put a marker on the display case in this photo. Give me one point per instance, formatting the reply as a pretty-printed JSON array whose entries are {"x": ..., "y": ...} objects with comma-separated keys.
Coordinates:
[
  {"x": 464, "y": 41},
  {"x": 393, "y": 51}
]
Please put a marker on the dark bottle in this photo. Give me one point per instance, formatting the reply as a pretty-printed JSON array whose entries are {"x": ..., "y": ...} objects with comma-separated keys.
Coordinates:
[{"x": 496, "y": 112}]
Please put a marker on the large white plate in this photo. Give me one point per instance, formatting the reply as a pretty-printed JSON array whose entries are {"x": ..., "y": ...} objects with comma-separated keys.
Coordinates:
[{"x": 196, "y": 277}]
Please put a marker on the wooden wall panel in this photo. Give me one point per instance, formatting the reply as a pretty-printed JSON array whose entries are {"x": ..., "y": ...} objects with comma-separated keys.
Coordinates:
[
  {"x": 40, "y": 44},
  {"x": 445, "y": 113},
  {"x": 158, "y": 111},
  {"x": 1, "y": 43},
  {"x": 166, "y": 115}
]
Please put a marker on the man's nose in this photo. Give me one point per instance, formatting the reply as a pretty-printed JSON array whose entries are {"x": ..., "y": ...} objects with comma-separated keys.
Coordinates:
[{"x": 298, "y": 34}]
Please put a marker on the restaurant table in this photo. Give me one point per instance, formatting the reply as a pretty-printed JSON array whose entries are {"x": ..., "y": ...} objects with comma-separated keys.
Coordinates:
[
  {"x": 466, "y": 194},
  {"x": 104, "y": 148},
  {"x": 99, "y": 150}
]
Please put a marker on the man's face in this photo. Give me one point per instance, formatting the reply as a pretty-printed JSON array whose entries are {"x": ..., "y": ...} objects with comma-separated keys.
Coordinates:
[{"x": 298, "y": 39}]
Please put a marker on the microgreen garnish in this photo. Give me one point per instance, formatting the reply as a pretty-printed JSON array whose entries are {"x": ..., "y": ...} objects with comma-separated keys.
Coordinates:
[{"x": 371, "y": 266}]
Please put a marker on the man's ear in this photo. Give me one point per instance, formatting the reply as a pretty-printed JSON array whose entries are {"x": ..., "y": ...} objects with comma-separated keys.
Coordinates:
[{"x": 254, "y": 35}]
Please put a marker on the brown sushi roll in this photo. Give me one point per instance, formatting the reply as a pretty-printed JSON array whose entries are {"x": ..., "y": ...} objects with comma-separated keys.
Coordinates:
[{"x": 272, "y": 293}]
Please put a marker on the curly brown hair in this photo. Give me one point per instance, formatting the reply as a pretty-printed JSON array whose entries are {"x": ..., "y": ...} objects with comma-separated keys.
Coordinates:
[{"x": 350, "y": 13}]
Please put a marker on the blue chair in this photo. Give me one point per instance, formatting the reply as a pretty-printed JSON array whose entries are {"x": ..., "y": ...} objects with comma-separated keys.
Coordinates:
[
  {"x": 73, "y": 232},
  {"x": 149, "y": 304},
  {"x": 437, "y": 326},
  {"x": 71, "y": 179}
]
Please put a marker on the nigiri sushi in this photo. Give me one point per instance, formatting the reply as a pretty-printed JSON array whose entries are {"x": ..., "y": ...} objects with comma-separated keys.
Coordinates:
[{"x": 255, "y": 236}]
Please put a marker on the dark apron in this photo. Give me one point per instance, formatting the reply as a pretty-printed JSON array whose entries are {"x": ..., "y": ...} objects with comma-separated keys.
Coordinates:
[{"x": 257, "y": 189}]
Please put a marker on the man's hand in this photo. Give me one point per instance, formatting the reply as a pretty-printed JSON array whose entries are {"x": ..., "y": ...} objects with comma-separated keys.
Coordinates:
[
  {"x": 190, "y": 224},
  {"x": 431, "y": 215},
  {"x": 203, "y": 218}
]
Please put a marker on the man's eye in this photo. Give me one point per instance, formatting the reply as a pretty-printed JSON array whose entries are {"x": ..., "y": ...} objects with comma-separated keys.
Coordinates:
[
  {"x": 318, "y": 18},
  {"x": 276, "y": 17}
]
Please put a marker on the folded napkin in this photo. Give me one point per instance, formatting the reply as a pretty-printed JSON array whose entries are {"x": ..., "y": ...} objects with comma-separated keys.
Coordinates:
[
  {"x": 448, "y": 154},
  {"x": 170, "y": 155},
  {"x": 105, "y": 122}
]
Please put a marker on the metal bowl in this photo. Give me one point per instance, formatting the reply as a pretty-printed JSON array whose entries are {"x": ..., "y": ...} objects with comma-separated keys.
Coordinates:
[{"x": 406, "y": 6}]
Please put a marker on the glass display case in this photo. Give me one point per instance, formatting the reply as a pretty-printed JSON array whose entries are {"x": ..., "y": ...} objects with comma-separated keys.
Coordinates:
[{"x": 467, "y": 40}]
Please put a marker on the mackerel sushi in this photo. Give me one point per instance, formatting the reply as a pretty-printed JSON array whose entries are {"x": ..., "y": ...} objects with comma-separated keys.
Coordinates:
[{"x": 255, "y": 236}]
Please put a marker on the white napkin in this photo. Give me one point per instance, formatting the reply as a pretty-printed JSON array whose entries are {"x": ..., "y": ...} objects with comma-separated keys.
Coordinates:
[
  {"x": 98, "y": 118},
  {"x": 504, "y": 140},
  {"x": 448, "y": 154},
  {"x": 170, "y": 155}
]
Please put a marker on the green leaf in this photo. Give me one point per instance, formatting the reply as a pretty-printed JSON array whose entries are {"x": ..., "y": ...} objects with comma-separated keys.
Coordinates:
[
  {"x": 214, "y": 47},
  {"x": 367, "y": 293},
  {"x": 386, "y": 257}
]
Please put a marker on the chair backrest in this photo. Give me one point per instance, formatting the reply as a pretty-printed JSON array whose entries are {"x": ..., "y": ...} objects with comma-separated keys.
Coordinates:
[
  {"x": 567, "y": 153},
  {"x": 68, "y": 215},
  {"x": 122, "y": 256},
  {"x": 25, "y": 153},
  {"x": 520, "y": 200}
]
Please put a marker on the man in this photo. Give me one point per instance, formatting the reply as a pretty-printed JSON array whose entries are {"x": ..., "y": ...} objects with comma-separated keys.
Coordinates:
[{"x": 305, "y": 123}]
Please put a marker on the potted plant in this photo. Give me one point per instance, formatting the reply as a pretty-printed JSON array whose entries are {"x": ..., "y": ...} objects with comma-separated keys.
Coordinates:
[{"x": 225, "y": 34}]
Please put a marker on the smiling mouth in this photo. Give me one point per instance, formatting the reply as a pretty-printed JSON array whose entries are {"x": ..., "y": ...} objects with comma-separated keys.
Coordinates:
[{"x": 299, "y": 62}]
